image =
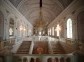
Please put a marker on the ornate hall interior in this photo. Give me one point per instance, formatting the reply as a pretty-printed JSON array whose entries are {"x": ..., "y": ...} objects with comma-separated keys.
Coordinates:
[{"x": 41, "y": 30}]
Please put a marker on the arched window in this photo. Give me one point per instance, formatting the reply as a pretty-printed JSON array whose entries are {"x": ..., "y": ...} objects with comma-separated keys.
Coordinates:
[{"x": 69, "y": 28}]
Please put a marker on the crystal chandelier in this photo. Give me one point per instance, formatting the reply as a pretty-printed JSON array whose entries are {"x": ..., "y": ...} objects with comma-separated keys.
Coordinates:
[{"x": 40, "y": 24}]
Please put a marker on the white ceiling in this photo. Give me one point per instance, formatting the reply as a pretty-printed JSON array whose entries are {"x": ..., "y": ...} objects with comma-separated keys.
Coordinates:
[{"x": 50, "y": 9}]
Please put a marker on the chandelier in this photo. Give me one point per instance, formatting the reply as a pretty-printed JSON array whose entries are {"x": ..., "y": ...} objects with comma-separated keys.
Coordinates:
[{"x": 40, "y": 24}]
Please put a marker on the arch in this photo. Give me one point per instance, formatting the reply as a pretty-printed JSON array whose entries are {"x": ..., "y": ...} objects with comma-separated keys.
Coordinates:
[
  {"x": 56, "y": 59},
  {"x": 19, "y": 60},
  {"x": 11, "y": 18},
  {"x": 11, "y": 27},
  {"x": 32, "y": 60},
  {"x": 49, "y": 60},
  {"x": 80, "y": 24},
  {"x": 1, "y": 59},
  {"x": 25, "y": 60},
  {"x": 61, "y": 59},
  {"x": 69, "y": 28},
  {"x": 1, "y": 25},
  {"x": 68, "y": 59},
  {"x": 81, "y": 9},
  {"x": 38, "y": 60}
]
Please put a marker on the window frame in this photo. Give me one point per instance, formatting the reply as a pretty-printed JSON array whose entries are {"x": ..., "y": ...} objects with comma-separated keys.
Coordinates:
[{"x": 69, "y": 26}]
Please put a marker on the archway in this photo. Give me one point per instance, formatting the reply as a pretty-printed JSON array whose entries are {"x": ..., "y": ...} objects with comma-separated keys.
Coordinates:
[
  {"x": 80, "y": 26},
  {"x": 68, "y": 60},
  {"x": 1, "y": 59},
  {"x": 25, "y": 60},
  {"x": 19, "y": 60},
  {"x": 56, "y": 60},
  {"x": 1, "y": 26},
  {"x": 61, "y": 59},
  {"x": 32, "y": 60},
  {"x": 49, "y": 60},
  {"x": 38, "y": 60}
]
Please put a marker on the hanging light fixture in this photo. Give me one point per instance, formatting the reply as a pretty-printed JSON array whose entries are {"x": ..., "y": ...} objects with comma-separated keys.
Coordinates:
[{"x": 40, "y": 24}]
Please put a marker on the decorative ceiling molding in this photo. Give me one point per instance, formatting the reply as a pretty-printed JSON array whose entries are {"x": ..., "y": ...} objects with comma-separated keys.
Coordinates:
[
  {"x": 50, "y": 8},
  {"x": 15, "y": 2}
]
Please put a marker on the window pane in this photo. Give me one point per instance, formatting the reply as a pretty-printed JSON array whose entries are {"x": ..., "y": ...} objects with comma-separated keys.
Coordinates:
[{"x": 69, "y": 28}]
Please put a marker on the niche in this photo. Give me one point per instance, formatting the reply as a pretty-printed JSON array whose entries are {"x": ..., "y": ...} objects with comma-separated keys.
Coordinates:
[
  {"x": 11, "y": 27},
  {"x": 80, "y": 26}
]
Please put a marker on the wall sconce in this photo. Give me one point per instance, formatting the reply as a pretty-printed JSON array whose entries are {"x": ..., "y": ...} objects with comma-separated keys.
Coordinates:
[
  {"x": 58, "y": 29},
  {"x": 40, "y": 33},
  {"x": 24, "y": 29},
  {"x": 21, "y": 28}
]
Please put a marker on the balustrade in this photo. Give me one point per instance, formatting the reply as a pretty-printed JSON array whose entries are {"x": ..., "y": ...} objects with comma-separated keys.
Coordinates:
[{"x": 48, "y": 58}]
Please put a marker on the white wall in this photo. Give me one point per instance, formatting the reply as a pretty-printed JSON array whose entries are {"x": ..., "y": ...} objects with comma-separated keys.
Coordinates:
[
  {"x": 9, "y": 11},
  {"x": 70, "y": 12}
]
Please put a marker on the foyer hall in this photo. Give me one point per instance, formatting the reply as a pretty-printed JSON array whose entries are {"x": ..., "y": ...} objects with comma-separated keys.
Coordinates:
[{"x": 41, "y": 31}]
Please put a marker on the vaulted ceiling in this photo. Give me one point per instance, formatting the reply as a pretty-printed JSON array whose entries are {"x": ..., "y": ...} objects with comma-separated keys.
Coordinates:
[{"x": 50, "y": 9}]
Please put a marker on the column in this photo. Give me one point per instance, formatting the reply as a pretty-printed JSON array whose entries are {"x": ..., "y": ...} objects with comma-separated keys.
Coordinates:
[
  {"x": 8, "y": 58},
  {"x": 22, "y": 59},
  {"x": 59, "y": 59},
  {"x": 34, "y": 59},
  {"x": 53, "y": 59}
]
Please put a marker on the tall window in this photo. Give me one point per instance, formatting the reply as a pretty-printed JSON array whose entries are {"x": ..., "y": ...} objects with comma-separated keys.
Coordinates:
[{"x": 69, "y": 28}]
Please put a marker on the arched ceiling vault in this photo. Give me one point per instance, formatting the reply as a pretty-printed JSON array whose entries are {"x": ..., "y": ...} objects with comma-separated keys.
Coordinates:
[{"x": 50, "y": 9}]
